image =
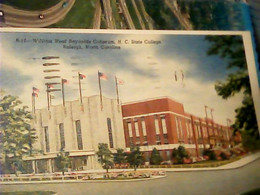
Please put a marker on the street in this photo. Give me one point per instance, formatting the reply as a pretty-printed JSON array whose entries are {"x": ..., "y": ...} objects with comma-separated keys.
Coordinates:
[
  {"x": 222, "y": 182},
  {"x": 21, "y": 18}
]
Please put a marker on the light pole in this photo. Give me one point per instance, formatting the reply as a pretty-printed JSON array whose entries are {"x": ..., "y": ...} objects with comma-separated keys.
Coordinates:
[{"x": 207, "y": 125}]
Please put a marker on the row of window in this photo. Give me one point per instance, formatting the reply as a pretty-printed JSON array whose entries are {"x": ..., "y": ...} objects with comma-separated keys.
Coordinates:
[
  {"x": 143, "y": 129},
  {"x": 78, "y": 135},
  {"x": 201, "y": 131}
]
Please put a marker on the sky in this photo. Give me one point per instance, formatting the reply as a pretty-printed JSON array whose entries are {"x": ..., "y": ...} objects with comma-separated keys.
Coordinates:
[{"x": 148, "y": 70}]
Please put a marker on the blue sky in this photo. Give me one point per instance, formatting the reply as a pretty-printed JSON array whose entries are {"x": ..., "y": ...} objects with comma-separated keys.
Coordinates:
[{"x": 147, "y": 69}]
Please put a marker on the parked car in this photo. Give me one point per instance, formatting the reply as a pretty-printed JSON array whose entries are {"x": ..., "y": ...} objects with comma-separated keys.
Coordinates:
[
  {"x": 41, "y": 16},
  {"x": 65, "y": 4},
  {"x": 2, "y": 16}
]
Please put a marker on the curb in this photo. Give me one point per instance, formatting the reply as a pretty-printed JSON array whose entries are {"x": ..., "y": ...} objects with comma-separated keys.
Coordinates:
[
  {"x": 229, "y": 166},
  {"x": 82, "y": 181}
]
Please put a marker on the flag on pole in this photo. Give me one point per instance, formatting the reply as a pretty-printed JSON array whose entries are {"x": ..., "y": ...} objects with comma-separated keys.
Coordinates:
[
  {"x": 175, "y": 75},
  {"x": 182, "y": 75},
  {"x": 120, "y": 81},
  {"x": 34, "y": 94},
  {"x": 102, "y": 76},
  {"x": 35, "y": 89},
  {"x": 65, "y": 81},
  {"x": 82, "y": 76},
  {"x": 50, "y": 86}
]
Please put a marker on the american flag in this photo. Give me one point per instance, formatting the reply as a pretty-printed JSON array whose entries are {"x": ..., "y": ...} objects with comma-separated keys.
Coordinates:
[
  {"x": 35, "y": 89},
  {"x": 65, "y": 81},
  {"x": 82, "y": 76},
  {"x": 34, "y": 94},
  {"x": 120, "y": 81},
  {"x": 102, "y": 76}
]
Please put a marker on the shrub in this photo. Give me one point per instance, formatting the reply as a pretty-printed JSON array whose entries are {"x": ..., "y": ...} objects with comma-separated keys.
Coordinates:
[
  {"x": 210, "y": 153},
  {"x": 156, "y": 158},
  {"x": 224, "y": 156},
  {"x": 179, "y": 154}
]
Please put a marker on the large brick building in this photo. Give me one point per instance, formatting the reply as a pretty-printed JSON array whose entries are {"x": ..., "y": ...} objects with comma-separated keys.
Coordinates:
[{"x": 162, "y": 123}]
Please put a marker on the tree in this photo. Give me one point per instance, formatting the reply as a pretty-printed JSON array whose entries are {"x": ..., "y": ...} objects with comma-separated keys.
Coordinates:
[
  {"x": 119, "y": 156},
  {"x": 179, "y": 154},
  {"x": 63, "y": 161},
  {"x": 105, "y": 156},
  {"x": 232, "y": 49},
  {"x": 156, "y": 158},
  {"x": 16, "y": 133},
  {"x": 135, "y": 158}
]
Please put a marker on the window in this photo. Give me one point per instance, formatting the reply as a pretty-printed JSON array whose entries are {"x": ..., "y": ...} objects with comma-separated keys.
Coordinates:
[
  {"x": 129, "y": 125},
  {"x": 158, "y": 140},
  {"x": 143, "y": 127},
  {"x": 164, "y": 126},
  {"x": 47, "y": 141},
  {"x": 110, "y": 135},
  {"x": 205, "y": 131},
  {"x": 62, "y": 137},
  {"x": 79, "y": 135},
  {"x": 190, "y": 127},
  {"x": 198, "y": 129},
  {"x": 165, "y": 137},
  {"x": 180, "y": 127},
  {"x": 136, "y": 129},
  {"x": 187, "y": 129},
  {"x": 177, "y": 127},
  {"x": 157, "y": 129},
  {"x": 131, "y": 142}
]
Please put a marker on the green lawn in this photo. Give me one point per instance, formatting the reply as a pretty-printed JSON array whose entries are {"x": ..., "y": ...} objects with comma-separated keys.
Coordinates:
[
  {"x": 28, "y": 193},
  {"x": 80, "y": 16},
  {"x": 31, "y": 4}
]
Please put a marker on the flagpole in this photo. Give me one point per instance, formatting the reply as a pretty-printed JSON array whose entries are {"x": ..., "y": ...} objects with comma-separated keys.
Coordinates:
[
  {"x": 207, "y": 125},
  {"x": 33, "y": 103},
  {"x": 100, "y": 92},
  {"x": 62, "y": 91},
  {"x": 117, "y": 90},
  {"x": 80, "y": 94},
  {"x": 48, "y": 97}
]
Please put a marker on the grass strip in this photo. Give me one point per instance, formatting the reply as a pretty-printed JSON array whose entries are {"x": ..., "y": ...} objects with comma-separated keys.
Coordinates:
[{"x": 80, "y": 16}]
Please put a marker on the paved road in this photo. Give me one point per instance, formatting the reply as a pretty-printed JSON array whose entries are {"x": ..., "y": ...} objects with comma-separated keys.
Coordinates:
[
  {"x": 108, "y": 14},
  {"x": 97, "y": 16},
  {"x": 183, "y": 21},
  {"x": 127, "y": 15},
  {"x": 21, "y": 18},
  {"x": 140, "y": 19},
  {"x": 224, "y": 182},
  {"x": 146, "y": 16}
]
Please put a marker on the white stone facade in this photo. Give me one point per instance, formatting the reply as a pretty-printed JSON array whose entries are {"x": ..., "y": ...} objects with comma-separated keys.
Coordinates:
[{"x": 93, "y": 128}]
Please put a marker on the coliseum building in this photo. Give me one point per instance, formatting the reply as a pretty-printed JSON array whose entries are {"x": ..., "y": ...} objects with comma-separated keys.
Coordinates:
[{"x": 77, "y": 129}]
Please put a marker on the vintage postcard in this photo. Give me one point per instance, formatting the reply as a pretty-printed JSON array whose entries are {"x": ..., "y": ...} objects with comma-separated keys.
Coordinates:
[{"x": 123, "y": 112}]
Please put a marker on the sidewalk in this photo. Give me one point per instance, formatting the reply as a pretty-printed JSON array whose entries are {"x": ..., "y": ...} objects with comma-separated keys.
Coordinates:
[{"x": 234, "y": 165}]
